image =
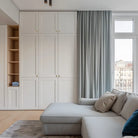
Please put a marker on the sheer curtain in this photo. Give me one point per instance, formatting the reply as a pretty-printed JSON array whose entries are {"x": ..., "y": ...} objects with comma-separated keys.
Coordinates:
[{"x": 94, "y": 36}]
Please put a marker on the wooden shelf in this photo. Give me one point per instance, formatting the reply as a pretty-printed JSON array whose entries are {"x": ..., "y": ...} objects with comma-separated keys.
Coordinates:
[
  {"x": 13, "y": 62},
  {"x": 13, "y": 50},
  {"x": 13, "y": 74},
  {"x": 13, "y": 38},
  {"x": 13, "y": 54}
]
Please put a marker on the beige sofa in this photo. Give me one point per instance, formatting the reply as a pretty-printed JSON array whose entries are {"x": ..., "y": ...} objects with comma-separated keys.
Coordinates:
[{"x": 83, "y": 119}]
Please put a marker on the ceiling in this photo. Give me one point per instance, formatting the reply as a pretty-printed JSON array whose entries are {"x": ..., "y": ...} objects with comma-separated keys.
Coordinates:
[{"x": 115, "y": 5}]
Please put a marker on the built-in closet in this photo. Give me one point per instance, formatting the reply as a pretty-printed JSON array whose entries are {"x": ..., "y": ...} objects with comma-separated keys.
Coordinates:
[{"x": 47, "y": 60}]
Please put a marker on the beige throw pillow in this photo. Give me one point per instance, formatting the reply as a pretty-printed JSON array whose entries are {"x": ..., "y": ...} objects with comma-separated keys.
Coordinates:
[
  {"x": 130, "y": 106},
  {"x": 120, "y": 101},
  {"x": 105, "y": 103}
]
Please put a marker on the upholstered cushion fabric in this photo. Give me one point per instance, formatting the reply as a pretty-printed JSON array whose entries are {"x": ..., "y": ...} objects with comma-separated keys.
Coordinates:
[
  {"x": 105, "y": 102},
  {"x": 102, "y": 127},
  {"x": 61, "y": 129},
  {"x": 87, "y": 101},
  {"x": 130, "y": 106},
  {"x": 120, "y": 101},
  {"x": 70, "y": 113},
  {"x": 131, "y": 126},
  {"x": 130, "y": 137}
]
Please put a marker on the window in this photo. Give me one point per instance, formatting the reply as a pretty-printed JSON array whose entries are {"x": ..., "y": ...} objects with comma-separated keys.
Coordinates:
[{"x": 124, "y": 37}]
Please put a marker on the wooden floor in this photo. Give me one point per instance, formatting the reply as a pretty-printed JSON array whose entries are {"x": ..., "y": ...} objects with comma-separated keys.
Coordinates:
[{"x": 7, "y": 118}]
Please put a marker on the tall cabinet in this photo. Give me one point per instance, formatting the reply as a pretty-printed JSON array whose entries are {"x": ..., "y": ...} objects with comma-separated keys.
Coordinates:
[{"x": 47, "y": 58}]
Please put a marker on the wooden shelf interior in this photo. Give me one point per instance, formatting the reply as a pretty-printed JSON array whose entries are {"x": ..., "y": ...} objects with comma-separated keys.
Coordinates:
[
  {"x": 13, "y": 31},
  {"x": 13, "y": 54},
  {"x": 13, "y": 44},
  {"x": 13, "y": 68}
]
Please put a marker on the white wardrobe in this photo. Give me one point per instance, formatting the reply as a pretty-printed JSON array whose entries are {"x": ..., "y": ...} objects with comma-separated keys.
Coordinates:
[{"x": 48, "y": 59}]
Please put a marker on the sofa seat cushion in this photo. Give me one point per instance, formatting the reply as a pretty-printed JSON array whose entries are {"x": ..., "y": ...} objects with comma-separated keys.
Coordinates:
[
  {"x": 102, "y": 127},
  {"x": 70, "y": 113}
]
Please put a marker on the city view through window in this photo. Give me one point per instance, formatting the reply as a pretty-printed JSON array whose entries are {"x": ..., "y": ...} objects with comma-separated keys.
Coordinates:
[{"x": 124, "y": 65}]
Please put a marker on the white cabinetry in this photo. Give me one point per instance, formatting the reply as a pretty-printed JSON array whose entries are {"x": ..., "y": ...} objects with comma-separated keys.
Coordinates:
[
  {"x": 48, "y": 58},
  {"x": 47, "y": 91},
  {"x": 29, "y": 93},
  {"x": 28, "y": 22},
  {"x": 67, "y": 90},
  {"x": 28, "y": 55},
  {"x": 47, "y": 22},
  {"x": 13, "y": 98},
  {"x": 66, "y": 51},
  {"x": 67, "y": 22}
]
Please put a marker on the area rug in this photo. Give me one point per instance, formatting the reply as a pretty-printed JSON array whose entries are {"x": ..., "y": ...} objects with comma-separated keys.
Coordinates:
[{"x": 28, "y": 129}]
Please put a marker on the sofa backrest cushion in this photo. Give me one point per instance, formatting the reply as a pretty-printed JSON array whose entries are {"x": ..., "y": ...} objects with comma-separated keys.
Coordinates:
[
  {"x": 87, "y": 101},
  {"x": 130, "y": 106},
  {"x": 131, "y": 126},
  {"x": 105, "y": 102},
  {"x": 120, "y": 101}
]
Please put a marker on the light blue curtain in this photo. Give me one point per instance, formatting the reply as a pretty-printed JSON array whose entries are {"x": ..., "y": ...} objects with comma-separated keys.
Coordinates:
[{"x": 94, "y": 36}]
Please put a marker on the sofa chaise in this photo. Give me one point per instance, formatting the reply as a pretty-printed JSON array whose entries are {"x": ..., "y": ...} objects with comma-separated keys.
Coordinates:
[{"x": 82, "y": 119}]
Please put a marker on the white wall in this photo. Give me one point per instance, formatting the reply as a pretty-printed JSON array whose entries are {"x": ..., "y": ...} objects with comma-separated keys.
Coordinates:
[
  {"x": 2, "y": 64},
  {"x": 10, "y": 10}
]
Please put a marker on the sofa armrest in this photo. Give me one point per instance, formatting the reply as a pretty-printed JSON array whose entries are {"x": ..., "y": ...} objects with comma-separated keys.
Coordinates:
[{"x": 87, "y": 101}]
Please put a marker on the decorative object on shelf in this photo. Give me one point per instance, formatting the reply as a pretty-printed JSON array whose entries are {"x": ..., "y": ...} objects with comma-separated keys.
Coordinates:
[
  {"x": 15, "y": 84},
  {"x": 50, "y": 2}
]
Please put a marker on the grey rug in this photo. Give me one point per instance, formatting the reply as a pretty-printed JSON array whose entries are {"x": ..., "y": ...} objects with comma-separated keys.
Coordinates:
[{"x": 28, "y": 129}]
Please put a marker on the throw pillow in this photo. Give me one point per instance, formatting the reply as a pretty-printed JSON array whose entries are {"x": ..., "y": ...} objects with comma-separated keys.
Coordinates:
[
  {"x": 105, "y": 103},
  {"x": 130, "y": 106},
  {"x": 120, "y": 101},
  {"x": 131, "y": 126}
]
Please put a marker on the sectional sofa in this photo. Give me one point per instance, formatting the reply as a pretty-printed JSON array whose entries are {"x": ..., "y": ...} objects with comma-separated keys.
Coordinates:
[{"x": 82, "y": 119}]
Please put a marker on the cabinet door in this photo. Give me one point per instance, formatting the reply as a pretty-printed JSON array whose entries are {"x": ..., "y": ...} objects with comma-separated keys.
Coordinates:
[
  {"x": 67, "y": 90},
  {"x": 28, "y": 22},
  {"x": 13, "y": 96},
  {"x": 47, "y": 56},
  {"x": 67, "y": 22},
  {"x": 47, "y": 22},
  {"x": 29, "y": 93},
  {"x": 67, "y": 55},
  {"x": 28, "y": 55},
  {"x": 47, "y": 92}
]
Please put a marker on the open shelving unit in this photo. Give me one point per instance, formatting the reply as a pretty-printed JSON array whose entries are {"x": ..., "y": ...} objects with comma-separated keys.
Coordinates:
[{"x": 13, "y": 54}]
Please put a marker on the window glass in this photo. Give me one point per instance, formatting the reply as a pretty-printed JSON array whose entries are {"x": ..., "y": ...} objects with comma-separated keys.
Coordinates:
[
  {"x": 123, "y": 26},
  {"x": 124, "y": 65}
]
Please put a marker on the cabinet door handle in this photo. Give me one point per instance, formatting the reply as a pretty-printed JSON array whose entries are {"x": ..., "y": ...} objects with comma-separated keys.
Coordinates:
[{"x": 59, "y": 76}]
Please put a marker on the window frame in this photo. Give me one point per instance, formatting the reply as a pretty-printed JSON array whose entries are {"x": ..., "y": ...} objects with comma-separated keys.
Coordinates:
[{"x": 134, "y": 36}]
